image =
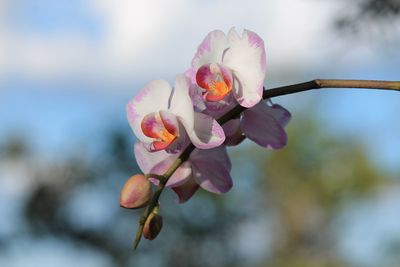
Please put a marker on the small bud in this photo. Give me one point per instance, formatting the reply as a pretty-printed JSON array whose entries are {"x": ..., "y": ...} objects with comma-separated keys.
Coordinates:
[
  {"x": 136, "y": 192},
  {"x": 152, "y": 226}
]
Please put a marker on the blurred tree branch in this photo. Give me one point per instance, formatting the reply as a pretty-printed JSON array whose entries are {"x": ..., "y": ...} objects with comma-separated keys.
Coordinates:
[{"x": 359, "y": 16}]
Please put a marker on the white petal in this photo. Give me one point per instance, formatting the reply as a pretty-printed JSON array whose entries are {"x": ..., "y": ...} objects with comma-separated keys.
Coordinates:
[
  {"x": 203, "y": 130},
  {"x": 181, "y": 104},
  {"x": 207, "y": 133},
  {"x": 147, "y": 160},
  {"x": 159, "y": 162},
  {"x": 152, "y": 98},
  {"x": 211, "y": 49},
  {"x": 246, "y": 57}
]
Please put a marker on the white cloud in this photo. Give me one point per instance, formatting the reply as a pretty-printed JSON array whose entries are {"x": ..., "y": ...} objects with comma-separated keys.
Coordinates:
[{"x": 139, "y": 38}]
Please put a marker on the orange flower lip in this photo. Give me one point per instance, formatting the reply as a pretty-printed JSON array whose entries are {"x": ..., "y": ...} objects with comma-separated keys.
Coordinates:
[
  {"x": 217, "y": 91},
  {"x": 162, "y": 127},
  {"x": 216, "y": 79}
]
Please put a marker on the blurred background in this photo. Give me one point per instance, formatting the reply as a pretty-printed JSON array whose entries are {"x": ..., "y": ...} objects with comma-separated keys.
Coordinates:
[{"x": 331, "y": 197}]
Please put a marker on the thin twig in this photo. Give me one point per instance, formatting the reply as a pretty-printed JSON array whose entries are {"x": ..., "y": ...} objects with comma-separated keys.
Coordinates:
[{"x": 233, "y": 113}]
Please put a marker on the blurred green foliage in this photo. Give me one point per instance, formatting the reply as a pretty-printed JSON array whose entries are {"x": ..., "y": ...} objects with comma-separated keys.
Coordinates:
[
  {"x": 376, "y": 19},
  {"x": 300, "y": 190},
  {"x": 308, "y": 184}
]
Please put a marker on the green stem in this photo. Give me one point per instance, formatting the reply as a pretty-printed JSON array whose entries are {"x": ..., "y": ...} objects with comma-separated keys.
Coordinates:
[
  {"x": 235, "y": 112},
  {"x": 155, "y": 199}
]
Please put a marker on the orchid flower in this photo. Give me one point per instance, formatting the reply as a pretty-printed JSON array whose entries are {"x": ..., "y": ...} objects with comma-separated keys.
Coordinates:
[
  {"x": 229, "y": 68},
  {"x": 230, "y": 63},
  {"x": 208, "y": 169},
  {"x": 162, "y": 117}
]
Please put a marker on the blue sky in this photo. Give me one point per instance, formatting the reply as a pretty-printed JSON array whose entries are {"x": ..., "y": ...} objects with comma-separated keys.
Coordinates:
[{"x": 53, "y": 17}]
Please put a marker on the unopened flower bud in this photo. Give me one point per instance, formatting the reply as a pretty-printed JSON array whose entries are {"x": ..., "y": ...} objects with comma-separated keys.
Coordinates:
[
  {"x": 152, "y": 226},
  {"x": 136, "y": 192}
]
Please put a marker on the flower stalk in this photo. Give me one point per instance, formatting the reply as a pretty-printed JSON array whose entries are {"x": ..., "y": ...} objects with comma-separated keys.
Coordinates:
[{"x": 236, "y": 111}]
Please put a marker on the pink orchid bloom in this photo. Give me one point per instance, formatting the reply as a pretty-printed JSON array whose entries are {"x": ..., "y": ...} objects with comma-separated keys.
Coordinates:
[
  {"x": 162, "y": 117},
  {"x": 209, "y": 169},
  {"x": 225, "y": 64},
  {"x": 230, "y": 63}
]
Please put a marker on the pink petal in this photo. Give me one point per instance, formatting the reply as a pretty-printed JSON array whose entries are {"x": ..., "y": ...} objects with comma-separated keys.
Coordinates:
[
  {"x": 259, "y": 125},
  {"x": 152, "y": 98},
  {"x": 211, "y": 169},
  {"x": 246, "y": 57},
  {"x": 186, "y": 191},
  {"x": 191, "y": 74}
]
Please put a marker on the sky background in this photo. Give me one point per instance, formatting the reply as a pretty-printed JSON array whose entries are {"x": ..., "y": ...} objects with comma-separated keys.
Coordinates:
[
  {"x": 68, "y": 68},
  {"x": 83, "y": 60}
]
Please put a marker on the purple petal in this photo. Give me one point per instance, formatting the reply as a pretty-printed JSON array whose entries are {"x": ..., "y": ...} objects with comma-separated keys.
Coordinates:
[
  {"x": 186, "y": 191},
  {"x": 280, "y": 114},
  {"x": 233, "y": 132},
  {"x": 231, "y": 127},
  {"x": 235, "y": 139},
  {"x": 259, "y": 125},
  {"x": 211, "y": 169}
]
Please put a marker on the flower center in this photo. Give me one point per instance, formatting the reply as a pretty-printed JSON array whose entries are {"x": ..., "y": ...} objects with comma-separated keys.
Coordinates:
[
  {"x": 162, "y": 127},
  {"x": 216, "y": 79}
]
